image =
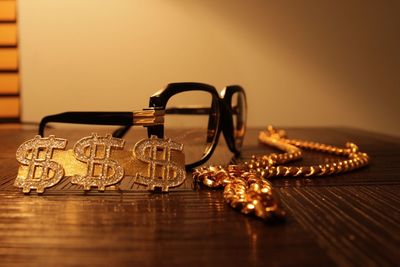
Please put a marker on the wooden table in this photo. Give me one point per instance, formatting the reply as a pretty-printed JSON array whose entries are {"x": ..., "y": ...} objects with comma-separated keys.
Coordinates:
[{"x": 345, "y": 220}]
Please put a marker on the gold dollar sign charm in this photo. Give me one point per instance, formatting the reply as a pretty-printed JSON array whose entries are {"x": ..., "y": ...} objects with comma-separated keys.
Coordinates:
[
  {"x": 101, "y": 170},
  {"x": 42, "y": 172},
  {"x": 157, "y": 152}
]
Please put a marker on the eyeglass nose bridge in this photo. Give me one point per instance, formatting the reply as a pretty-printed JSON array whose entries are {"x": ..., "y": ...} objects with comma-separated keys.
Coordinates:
[
  {"x": 214, "y": 118},
  {"x": 227, "y": 127}
]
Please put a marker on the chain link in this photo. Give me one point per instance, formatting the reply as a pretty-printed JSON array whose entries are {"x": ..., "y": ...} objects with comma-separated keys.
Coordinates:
[{"x": 246, "y": 186}]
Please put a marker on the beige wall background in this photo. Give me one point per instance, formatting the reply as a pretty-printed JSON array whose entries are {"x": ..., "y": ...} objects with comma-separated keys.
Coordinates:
[{"x": 302, "y": 63}]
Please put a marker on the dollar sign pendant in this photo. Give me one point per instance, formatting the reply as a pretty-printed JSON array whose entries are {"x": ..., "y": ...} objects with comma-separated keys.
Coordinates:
[
  {"x": 159, "y": 154},
  {"x": 101, "y": 170},
  {"x": 42, "y": 172}
]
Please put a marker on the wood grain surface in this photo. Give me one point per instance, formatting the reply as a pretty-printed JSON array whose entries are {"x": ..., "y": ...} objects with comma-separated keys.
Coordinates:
[{"x": 344, "y": 220}]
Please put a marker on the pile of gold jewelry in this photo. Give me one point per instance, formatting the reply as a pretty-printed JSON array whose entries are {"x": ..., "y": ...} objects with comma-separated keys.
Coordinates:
[
  {"x": 246, "y": 186},
  {"x": 44, "y": 161}
]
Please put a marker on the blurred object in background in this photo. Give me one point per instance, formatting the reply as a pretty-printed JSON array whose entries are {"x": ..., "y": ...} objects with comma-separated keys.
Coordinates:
[{"x": 9, "y": 80}]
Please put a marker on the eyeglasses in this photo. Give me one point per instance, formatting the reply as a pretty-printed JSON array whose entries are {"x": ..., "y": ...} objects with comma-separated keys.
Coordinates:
[{"x": 197, "y": 123}]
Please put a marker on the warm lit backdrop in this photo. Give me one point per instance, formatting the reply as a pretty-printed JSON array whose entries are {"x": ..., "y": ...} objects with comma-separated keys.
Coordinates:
[{"x": 303, "y": 63}]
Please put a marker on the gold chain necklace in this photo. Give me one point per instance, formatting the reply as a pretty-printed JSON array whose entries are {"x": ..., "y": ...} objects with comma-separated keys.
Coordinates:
[{"x": 246, "y": 186}]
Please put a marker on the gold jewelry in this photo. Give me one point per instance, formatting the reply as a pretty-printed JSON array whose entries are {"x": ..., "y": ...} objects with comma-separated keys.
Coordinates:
[
  {"x": 39, "y": 171},
  {"x": 99, "y": 161},
  {"x": 246, "y": 187}
]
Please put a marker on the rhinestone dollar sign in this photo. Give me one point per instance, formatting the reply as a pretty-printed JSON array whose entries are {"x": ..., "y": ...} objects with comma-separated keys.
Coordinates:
[
  {"x": 159, "y": 154},
  {"x": 42, "y": 172},
  {"x": 101, "y": 170}
]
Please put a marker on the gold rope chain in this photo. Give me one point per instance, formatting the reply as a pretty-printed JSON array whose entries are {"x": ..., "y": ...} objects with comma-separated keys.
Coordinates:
[{"x": 246, "y": 186}]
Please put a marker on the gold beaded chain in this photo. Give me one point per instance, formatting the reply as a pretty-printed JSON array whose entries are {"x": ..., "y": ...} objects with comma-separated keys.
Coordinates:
[{"x": 246, "y": 186}]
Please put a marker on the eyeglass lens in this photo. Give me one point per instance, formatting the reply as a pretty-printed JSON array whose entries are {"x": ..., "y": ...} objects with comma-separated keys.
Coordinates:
[{"x": 192, "y": 119}]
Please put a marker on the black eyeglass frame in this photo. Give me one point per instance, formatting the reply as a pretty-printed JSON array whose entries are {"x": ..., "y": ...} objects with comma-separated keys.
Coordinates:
[{"x": 153, "y": 117}]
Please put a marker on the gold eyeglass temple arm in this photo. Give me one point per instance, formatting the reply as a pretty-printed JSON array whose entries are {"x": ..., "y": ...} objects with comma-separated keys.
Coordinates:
[{"x": 148, "y": 117}]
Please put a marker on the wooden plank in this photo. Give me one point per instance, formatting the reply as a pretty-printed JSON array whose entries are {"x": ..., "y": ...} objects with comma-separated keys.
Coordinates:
[
  {"x": 9, "y": 83},
  {"x": 347, "y": 221},
  {"x": 8, "y": 34},
  {"x": 8, "y": 58},
  {"x": 8, "y": 10},
  {"x": 177, "y": 229},
  {"x": 9, "y": 107}
]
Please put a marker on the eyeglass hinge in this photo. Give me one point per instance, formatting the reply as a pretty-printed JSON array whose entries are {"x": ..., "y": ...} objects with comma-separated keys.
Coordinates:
[{"x": 148, "y": 117}]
